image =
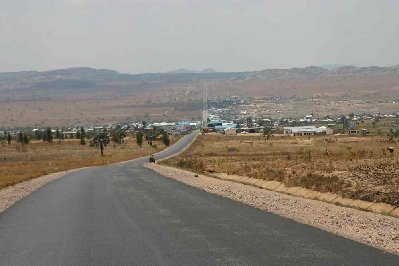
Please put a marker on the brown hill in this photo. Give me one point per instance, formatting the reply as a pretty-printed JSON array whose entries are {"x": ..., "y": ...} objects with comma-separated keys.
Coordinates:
[{"x": 86, "y": 95}]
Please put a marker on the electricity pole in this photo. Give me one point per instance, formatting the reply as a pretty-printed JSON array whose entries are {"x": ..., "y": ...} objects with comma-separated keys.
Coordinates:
[{"x": 205, "y": 105}]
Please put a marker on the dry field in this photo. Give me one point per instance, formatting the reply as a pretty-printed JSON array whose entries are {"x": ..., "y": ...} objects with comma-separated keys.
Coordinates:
[
  {"x": 354, "y": 167},
  {"x": 87, "y": 112},
  {"x": 20, "y": 163}
]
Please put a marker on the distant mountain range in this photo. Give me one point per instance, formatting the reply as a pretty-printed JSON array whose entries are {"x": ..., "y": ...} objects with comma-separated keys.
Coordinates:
[
  {"x": 88, "y": 95},
  {"x": 84, "y": 79},
  {"x": 189, "y": 71},
  {"x": 88, "y": 73},
  {"x": 335, "y": 66},
  {"x": 76, "y": 72}
]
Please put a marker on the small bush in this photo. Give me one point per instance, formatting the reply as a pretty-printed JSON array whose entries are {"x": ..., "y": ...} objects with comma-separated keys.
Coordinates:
[
  {"x": 185, "y": 163},
  {"x": 275, "y": 174},
  {"x": 308, "y": 155},
  {"x": 361, "y": 153},
  {"x": 319, "y": 182},
  {"x": 233, "y": 149}
]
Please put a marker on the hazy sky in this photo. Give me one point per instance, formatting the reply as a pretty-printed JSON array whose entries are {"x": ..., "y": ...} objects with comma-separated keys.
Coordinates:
[{"x": 136, "y": 36}]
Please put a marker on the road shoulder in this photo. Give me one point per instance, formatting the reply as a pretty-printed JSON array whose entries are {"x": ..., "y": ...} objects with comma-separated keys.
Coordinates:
[
  {"x": 373, "y": 229},
  {"x": 12, "y": 194}
]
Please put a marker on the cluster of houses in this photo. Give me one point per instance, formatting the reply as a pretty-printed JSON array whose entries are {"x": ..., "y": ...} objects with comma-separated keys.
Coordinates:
[
  {"x": 294, "y": 127},
  {"x": 235, "y": 115},
  {"x": 173, "y": 128},
  {"x": 230, "y": 128}
]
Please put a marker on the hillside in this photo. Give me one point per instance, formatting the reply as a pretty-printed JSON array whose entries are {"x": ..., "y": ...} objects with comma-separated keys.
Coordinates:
[
  {"x": 87, "y": 95},
  {"x": 61, "y": 82}
]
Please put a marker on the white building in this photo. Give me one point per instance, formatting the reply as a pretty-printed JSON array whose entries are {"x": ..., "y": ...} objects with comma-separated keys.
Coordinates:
[{"x": 307, "y": 131}]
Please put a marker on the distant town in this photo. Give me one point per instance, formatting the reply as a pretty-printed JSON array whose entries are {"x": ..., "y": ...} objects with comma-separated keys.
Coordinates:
[{"x": 235, "y": 115}]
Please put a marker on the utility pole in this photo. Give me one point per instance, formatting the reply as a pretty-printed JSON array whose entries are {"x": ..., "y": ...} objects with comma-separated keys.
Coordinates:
[{"x": 205, "y": 105}]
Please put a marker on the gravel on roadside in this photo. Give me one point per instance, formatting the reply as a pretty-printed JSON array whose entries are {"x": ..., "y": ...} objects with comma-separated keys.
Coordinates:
[{"x": 373, "y": 229}]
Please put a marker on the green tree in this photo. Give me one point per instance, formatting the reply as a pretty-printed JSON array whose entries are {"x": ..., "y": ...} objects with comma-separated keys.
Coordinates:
[
  {"x": 82, "y": 135},
  {"x": 139, "y": 138},
  {"x": 101, "y": 139},
  {"x": 117, "y": 135},
  {"x": 393, "y": 134},
  {"x": 26, "y": 138},
  {"x": 165, "y": 138},
  {"x": 267, "y": 132},
  {"x": 57, "y": 134},
  {"x": 37, "y": 135},
  {"x": 345, "y": 122},
  {"x": 48, "y": 136},
  {"x": 20, "y": 137},
  {"x": 23, "y": 137},
  {"x": 9, "y": 138},
  {"x": 249, "y": 122}
]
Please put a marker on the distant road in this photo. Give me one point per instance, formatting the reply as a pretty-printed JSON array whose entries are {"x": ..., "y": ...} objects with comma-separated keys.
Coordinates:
[{"x": 129, "y": 215}]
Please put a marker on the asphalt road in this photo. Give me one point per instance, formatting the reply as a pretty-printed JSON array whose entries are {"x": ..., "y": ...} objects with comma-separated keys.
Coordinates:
[{"x": 129, "y": 215}]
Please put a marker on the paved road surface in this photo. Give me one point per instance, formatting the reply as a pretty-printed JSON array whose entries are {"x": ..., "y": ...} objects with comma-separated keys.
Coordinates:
[{"x": 129, "y": 215}]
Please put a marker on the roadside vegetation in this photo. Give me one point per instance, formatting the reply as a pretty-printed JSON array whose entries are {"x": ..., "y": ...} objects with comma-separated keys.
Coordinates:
[
  {"x": 357, "y": 167},
  {"x": 24, "y": 157}
]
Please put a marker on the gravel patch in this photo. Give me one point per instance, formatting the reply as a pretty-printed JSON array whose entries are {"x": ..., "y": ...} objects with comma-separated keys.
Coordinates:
[
  {"x": 10, "y": 195},
  {"x": 373, "y": 229}
]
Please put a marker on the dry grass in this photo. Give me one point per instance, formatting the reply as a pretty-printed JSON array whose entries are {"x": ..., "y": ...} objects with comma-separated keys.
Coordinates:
[
  {"x": 354, "y": 167},
  {"x": 20, "y": 163}
]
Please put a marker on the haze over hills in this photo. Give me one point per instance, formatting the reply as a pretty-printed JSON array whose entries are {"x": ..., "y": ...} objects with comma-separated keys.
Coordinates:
[
  {"x": 185, "y": 71},
  {"x": 88, "y": 79},
  {"x": 335, "y": 66},
  {"x": 87, "y": 95}
]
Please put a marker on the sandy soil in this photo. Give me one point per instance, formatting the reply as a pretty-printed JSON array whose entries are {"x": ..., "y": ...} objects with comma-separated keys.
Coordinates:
[{"x": 373, "y": 229}]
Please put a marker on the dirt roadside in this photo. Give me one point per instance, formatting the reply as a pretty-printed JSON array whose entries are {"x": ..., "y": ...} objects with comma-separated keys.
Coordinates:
[{"x": 373, "y": 229}]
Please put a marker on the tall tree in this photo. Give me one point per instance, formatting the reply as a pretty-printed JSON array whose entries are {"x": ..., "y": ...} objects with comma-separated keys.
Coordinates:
[
  {"x": 249, "y": 122},
  {"x": 20, "y": 137},
  {"x": 267, "y": 132},
  {"x": 101, "y": 139},
  {"x": 345, "y": 122},
  {"x": 165, "y": 138},
  {"x": 48, "y": 136},
  {"x": 23, "y": 137},
  {"x": 57, "y": 134},
  {"x": 117, "y": 135},
  {"x": 82, "y": 135},
  {"x": 26, "y": 138},
  {"x": 9, "y": 138},
  {"x": 37, "y": 135},
  {"x": 139, "y": 138}
]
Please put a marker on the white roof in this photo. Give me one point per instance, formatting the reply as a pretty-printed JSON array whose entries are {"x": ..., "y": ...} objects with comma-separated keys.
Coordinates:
[{"x": 305, "y": 129}]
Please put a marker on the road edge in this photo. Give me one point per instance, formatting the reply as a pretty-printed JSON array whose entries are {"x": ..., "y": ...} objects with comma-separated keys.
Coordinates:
[{"x": 371, "y": 232}]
